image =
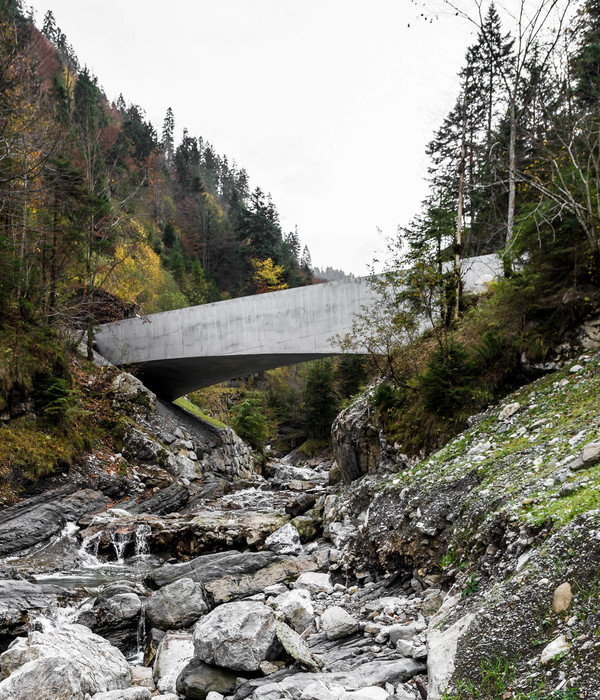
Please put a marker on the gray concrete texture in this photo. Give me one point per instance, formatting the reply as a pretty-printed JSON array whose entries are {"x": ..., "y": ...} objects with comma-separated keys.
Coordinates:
[{"x": 179, "y": 351}]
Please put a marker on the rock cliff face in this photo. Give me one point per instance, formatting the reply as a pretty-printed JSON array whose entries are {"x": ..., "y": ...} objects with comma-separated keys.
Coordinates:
[
  {"x": 497, "y": 521},
  {"x": 359, "y": 443}
]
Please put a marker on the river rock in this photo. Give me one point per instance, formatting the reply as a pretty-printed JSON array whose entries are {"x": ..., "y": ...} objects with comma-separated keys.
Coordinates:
[
  {"x": 314, "y": 582},
  {"x": 198, "y": 679},
  {"x": 100, "y": 666},
  {"x": 174, "y": 652},
  {"x": 49, "y": 678},
  {"x": 177, "y": 605},
  {"x": 297, "y": 609},
  {"x": 19, "y": 600},
  {"x": 117, "y": 619},
  {"x": 229, "y": 575},
  {"x": 37, "y": 519},
  {"x": 286, "y": 540},
  {"x": 337, "y": 623},
  {"x": 236, "y": 635}
]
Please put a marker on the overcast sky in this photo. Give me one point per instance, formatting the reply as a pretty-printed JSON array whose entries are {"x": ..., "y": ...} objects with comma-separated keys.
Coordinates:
[{"x": 328, "y": 104}]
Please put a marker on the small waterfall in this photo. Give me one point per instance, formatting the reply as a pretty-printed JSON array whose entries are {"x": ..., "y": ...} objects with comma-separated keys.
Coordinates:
[
  {"x": 119, "y": 541},
  {"x": 141, "y": 633},
  {"x": 142, "y": 532},
  {"x": 89, "y": 548}
]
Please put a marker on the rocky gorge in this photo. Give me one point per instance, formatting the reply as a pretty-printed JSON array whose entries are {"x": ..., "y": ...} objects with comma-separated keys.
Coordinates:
[{"x": 174, "y": 569}]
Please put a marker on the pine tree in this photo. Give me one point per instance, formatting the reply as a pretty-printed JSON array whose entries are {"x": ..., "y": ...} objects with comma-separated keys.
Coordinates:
[
  {"x": 586, "y": 62},
  {"x": 167, "y": 134}
]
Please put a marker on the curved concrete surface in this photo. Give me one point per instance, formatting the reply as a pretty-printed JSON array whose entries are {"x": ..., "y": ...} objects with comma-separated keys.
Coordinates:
[{"x": 179, "y": 351}]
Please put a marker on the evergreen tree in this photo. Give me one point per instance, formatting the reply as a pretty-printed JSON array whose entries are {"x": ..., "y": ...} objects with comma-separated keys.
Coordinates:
[
  {"x": 586, "y": 61},
  {"x": 320, "y": 400},
  {"x": 167, "y": 134}
]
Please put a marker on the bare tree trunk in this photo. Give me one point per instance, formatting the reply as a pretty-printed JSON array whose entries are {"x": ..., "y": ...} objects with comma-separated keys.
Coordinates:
[{"x": 461, "y": 200}]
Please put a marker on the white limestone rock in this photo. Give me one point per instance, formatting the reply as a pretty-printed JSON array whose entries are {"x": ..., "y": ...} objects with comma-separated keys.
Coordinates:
[
  {"x": 101, "y": 666},
  {"x": 285, "y": 540},
  {"x": 441, "y": 654},
  {"x": 337, "y": 623},
  {"x": 46, "y": 678},
  {"x": 237, "y": 635},
  {"x": 314, "y": 582},
  {"x": 557, "y": 647},
  {"x": 508, "y": 411},
  {"x": 173, "y": 654},
  {"x": 127, "y": 694},
  {"x": 297, "y": 608},
  {"x": 372, "y": 692}
]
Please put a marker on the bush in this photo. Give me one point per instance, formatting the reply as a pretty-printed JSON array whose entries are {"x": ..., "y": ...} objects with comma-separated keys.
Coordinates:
[
  {"x": 448, "y": 384},
  {"x": 249, "y": 423}
]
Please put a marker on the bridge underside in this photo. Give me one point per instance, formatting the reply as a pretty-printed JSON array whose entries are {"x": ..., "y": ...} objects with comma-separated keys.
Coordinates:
[{"x": 172, "y": 378}]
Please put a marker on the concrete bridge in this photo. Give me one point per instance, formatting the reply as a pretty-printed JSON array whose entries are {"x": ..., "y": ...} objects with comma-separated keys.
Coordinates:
[{"x": 183, "y": 350}]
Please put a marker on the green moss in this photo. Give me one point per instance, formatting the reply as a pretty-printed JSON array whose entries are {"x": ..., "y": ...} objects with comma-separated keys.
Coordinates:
[{"x": 192, "y": 408}]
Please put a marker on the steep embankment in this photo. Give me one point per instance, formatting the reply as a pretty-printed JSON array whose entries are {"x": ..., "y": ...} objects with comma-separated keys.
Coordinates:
[{"x": 506, "y": 519}]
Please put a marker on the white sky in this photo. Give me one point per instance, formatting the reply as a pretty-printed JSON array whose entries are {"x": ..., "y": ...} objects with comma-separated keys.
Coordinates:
[{"x": 328, "y": 104}]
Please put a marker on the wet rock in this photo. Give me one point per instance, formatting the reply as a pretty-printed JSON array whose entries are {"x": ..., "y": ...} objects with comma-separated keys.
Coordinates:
[
  {"x": 174, "y": 652},
  {"x": 20, "y": 600},
  {"x": 117, "y": 619},
  {"x": 37, "y": 519},
  {"x": 286, "y": 540},
  {"x": 99, "y": 666},
  {"x": 177, "y": 605},
  {"x": 198, "y": 679},
  {"x": 237, "y": 635},
  {"x": 337, "y": 623}
]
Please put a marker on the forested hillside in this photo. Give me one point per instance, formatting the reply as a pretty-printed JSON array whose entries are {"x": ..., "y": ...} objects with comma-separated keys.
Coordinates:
[
  {"x": 101, "y": 213},
  {"x": 514, "y": 168}
]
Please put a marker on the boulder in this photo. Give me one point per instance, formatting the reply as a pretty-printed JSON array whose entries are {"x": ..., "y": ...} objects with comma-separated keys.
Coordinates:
[
  {"x": 19, "y": 600},
  {"x": 297, "y": 609},
  {"x": 337, "y": 623},
  {"x": 99, "y": 666},
  {"x": 131, "y": 396},
  {"x": 174, "y": 652},
  {"x": 441, "y": 654},
  {"x": 314, "y": 582},
  {"x": 198, "y": 679},
  {"x": 296, "y": 647},
  {"x": 238, "y": 636},
  {"x": 286, "y": 540},
  {"x": 48, "y": 678},
  {"x": 177, "y": 605},
  {"x": 117, "y": 619},
  {"x": 562, "y": 597}
]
